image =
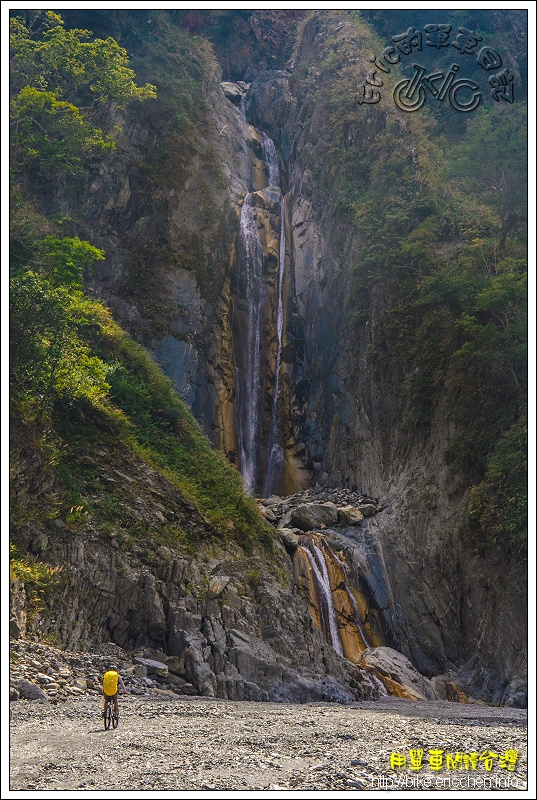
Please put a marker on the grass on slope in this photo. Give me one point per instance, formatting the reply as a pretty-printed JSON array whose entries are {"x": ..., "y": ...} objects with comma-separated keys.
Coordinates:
[{"x": 160, "y": 429}]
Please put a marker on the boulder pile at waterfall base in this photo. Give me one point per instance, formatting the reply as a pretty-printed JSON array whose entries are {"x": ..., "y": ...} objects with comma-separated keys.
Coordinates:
[{"x": 287, "y": 510}]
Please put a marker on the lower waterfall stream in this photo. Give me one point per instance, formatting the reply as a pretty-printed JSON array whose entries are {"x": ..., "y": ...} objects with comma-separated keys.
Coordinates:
[{"x": 327, "y": 611}]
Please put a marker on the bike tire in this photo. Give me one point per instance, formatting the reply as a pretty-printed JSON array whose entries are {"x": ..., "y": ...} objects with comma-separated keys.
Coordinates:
[{"x": 107, "y": 716}]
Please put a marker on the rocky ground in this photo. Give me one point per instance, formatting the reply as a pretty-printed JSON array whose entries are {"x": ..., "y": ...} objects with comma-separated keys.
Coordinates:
[
  {"x": 167, "y": 742},
  {"x": 168, "y": 739}
]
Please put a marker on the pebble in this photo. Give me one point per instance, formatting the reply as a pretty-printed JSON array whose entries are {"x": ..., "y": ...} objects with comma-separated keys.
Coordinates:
[
  {"x": 178, "y": 743},
  {"x": 61, "y": 674}
]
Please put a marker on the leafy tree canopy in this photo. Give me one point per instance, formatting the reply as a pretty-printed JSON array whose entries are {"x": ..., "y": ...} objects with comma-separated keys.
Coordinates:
[
  {"x": 75, "y": 70},
  {"x": 59, "y": 82}
]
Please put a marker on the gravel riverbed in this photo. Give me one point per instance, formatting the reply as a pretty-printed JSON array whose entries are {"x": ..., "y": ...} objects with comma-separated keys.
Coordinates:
[{"x": 167, "y": 742}]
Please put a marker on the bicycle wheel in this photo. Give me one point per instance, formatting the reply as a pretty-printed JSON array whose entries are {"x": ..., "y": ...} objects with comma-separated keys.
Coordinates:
[{"x": 107, "y": 716}]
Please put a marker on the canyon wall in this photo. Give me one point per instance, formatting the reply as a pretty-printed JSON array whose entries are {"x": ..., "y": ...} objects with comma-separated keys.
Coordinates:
[{"x": 173, "y": 276}]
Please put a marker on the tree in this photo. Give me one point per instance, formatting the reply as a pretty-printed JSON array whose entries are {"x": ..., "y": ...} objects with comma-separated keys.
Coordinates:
[
  {"x": 48, "y": 356},
  {"x": 491, "y": 162},
  {"x": 59, "y": 83},
  {"x": 66, "y": 260}
]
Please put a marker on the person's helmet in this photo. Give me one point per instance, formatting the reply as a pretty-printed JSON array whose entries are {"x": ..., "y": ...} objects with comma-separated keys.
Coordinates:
[{"x": 113, "y": 668}]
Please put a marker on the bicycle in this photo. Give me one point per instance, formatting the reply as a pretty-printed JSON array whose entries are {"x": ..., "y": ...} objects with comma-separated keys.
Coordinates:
[{"x": 109, "y": 716}]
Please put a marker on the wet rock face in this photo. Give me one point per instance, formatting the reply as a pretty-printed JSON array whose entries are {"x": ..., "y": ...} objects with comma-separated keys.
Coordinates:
[{"x": 392, "y": 665}]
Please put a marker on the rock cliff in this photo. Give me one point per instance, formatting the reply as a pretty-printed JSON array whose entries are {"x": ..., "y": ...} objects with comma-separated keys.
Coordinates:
[{"x": 173, "y": 277}]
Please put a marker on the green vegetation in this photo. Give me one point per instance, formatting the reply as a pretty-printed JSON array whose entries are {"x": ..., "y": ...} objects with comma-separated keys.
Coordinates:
[
  {"x": 440, "y": 212},
  {"x": 76, "y": 377},
  {"x": 58, "y": 84},
  {"x": 458, "y": 323},
  {"x": 38, "y": 578},
  {"x": 163, "y": 431}
]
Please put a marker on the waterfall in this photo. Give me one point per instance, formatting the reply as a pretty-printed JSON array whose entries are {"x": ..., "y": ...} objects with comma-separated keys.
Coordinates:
[
  {"x": 248, "y": 388},
  {"x": 345, "y": 569},
  {"x": 270, "y": 157},
  {"x": 324, "y": 593}
]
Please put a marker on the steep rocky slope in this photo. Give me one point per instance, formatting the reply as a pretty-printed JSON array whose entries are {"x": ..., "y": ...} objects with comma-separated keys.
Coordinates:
[
  {"x": 233, "y": 621},
  {"x": 172, "y": 276}
]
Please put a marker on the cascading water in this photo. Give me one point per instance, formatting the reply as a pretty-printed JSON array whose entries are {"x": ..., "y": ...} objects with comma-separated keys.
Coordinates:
[
  {"x": 350, "y": 595},
  {"x": 248, "y": 361},
  {"x": 270, "y": 157},
  {"x": 324, "y": 592},
  {"x": 248, "y": 388}
]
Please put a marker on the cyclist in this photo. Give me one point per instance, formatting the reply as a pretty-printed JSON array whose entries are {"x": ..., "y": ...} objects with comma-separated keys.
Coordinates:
[{"x": 111, "y": 681}]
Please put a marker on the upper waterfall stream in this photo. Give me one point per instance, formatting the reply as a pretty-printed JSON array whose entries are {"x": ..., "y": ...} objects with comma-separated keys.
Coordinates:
[
  {"x": 248, "y": 388},
  {"x": 261, "y": 473}
]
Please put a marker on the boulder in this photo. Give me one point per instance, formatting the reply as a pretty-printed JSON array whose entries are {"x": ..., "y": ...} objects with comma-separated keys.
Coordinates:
[
  {"x": 153, "y": 667},
  {"x": 267, "y": 513},
  {"x": 289, "y": 538},
  {"x": 396, "y": 667},
  {"x": 273, "y": 500},
  {"x": 31, "y": 691},
  {"x": 349, "y": 515},
  {"x": 187, "y": 688},
  {"x": 199, "y": 673},
  {"x": 516, "y": 694},
  {"x": 217, "y": 585},
  {"x": 232, "y": 91},
  {"x": 310, "y": 516},
  {"x": 368, "y": 509},
  {"x": 176, "y": 665}
]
